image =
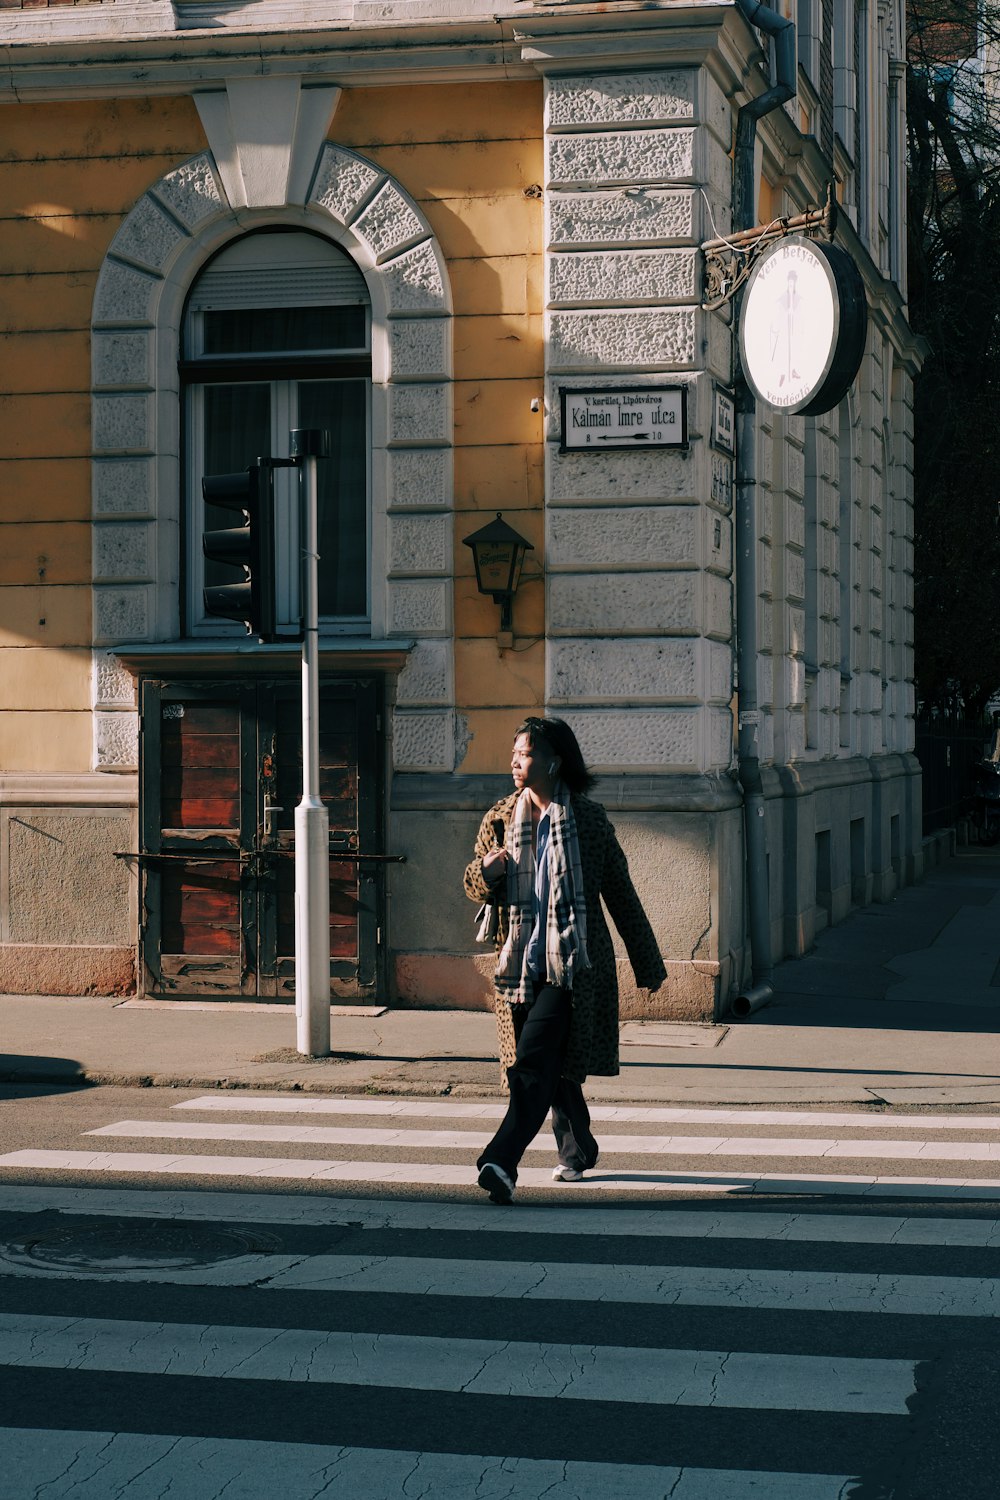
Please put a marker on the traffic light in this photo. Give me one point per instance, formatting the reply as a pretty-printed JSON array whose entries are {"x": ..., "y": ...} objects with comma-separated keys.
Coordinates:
[{"x": 248, "y": 546}]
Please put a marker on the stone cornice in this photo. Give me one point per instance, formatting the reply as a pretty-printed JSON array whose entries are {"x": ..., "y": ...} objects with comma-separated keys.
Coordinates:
[
  {"x": 56, "y": 64},
  {"x": 617, "y": 793},
  {"x": 650, "y": 37},
  {"x": 86, "y": 789},
  {"x": 128, "y": 49},
  {"x": 806, "y": 778}
]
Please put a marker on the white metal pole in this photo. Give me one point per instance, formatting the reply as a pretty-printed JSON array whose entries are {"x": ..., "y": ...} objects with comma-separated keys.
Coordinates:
[{"x": 312, "y": 822}]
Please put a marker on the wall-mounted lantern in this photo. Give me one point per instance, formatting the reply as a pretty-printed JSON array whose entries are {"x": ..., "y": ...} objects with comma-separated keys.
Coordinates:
[{"x": 498, "y": 551}]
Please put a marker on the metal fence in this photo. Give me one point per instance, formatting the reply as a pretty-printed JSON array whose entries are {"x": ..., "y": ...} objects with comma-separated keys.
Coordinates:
[{"x": 948, "y": 750}]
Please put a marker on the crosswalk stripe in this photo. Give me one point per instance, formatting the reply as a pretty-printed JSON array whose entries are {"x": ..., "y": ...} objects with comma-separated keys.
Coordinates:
[
  {"x": 554, "y": 1281},
  {"x": 422, "y": 1174},
  {"x": 653, "y": 1286},
  {"x": 578, "y": 1372},
  {"x": 620, "y": 1145},
  {"x": 443, "y": 1367},
  {"x": 145, "y": 1465},
  {"x": 464, "y": 1109},
  {"x": 765, "y": 1225},
  {"x": 420, "y": 1362}
]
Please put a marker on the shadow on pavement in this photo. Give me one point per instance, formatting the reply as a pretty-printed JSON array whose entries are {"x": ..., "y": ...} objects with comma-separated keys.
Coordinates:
[
  {"x": 20, "y": 1074},
  {"x": 829, "y": 1010},
  {"x": 927, "y": 960},
  {"x": 832, "y": 1072}
]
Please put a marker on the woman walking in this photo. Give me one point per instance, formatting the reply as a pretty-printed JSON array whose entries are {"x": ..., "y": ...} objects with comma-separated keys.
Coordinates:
[{"x": 547, "y": 854}]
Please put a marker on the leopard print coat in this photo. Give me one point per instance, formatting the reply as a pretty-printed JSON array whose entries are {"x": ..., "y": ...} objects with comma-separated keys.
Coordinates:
[{"x": 593, "y": 1037}]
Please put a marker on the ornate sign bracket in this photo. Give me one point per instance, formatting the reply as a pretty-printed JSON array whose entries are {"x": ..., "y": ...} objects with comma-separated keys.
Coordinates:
[{"x": 729, "y": 259}]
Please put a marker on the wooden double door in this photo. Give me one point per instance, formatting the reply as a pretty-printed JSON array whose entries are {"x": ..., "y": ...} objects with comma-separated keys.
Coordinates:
[{"x": 221, "y": 774}]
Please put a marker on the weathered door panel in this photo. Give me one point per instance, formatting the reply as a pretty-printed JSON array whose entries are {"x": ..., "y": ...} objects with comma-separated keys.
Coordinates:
[
  {"x": 195, "y": 898},
  {"x": 221, "y": 776}
]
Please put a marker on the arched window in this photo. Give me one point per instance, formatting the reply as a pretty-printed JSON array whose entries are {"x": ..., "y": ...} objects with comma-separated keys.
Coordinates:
[{"x": 277, "y": 335}]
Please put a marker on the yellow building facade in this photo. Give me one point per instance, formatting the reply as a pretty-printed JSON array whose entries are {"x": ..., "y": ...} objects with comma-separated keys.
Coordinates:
[{"x": 477, "y": 213}]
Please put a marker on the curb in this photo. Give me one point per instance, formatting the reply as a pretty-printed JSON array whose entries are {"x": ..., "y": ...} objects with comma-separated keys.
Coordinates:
[
  {"x": 403, "y": 1088},
  {"x": 100, "y": 1078}
]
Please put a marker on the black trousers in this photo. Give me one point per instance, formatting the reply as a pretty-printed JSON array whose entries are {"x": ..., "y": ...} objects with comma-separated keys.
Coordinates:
[{"x": 536, "y": 1086}]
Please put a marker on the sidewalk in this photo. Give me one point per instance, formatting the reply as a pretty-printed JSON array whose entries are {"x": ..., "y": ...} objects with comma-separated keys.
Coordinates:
[{"x": 899, "y": 1004}]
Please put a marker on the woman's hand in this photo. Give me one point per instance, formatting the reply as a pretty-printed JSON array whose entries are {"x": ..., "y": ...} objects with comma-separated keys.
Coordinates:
[{"x": 495, "y": 866}]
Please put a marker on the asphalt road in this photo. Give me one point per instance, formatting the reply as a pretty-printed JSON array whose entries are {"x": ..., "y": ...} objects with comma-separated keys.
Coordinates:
[
  {"x": 52, "y": 1118},
  {"x": 163, "y": 1329}
]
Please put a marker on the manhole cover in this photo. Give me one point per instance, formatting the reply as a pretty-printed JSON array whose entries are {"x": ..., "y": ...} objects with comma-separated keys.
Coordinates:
[
  {"x": 128, "y": 1246},
  {"x": 670, "y": 1034}
]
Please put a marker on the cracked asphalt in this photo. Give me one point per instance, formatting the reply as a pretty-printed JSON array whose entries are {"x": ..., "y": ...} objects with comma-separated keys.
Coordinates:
[{"x": 798, "y": 1339}]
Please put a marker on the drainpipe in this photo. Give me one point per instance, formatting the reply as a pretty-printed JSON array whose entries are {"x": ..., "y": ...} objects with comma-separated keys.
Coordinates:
[{"x": 759, "y": 992}]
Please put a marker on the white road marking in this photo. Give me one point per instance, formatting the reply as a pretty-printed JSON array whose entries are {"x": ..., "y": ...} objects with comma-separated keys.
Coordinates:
[
  {"x": 146, "y": 1466},
  {"x": 611, "y": 1145},
  {"x": 476, "y": 1109},
  {"x": 558, "y": 1281},
  {"x": 653, "y": 1286},
  {"x": 423, "y": 1174},
  {"x": 485, "y": 1367},
  {"x": 199, "y": 1469},
  {"x": 659, "y": 1223}
]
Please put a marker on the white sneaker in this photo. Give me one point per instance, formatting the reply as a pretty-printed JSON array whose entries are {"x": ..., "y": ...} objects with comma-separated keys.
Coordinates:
[
  {"x": 566, "y": 1174},
  {"x": 495, "y": 1181}
]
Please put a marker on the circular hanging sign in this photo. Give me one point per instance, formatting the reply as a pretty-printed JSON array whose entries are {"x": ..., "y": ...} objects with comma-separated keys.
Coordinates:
[{"x": 803, "y": 325}]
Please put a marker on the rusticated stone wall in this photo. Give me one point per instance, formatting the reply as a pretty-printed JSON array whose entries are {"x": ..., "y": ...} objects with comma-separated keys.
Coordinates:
[{"x": 639, "y": 545}]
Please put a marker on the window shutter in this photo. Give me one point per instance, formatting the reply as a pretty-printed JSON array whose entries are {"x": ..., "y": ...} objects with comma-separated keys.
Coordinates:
[{"x": 288, "y": 269}]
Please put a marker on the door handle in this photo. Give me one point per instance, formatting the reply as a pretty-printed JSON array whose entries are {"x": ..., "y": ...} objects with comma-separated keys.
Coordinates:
[
  {"x": 268, "y": 781},
  {"x": 270, "y": 808}
]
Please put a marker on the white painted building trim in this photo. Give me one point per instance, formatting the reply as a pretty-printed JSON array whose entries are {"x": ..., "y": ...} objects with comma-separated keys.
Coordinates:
[{"x": 271, "y": 155}]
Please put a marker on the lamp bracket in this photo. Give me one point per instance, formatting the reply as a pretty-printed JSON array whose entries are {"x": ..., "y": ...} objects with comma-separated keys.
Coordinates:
[{"x": 729, "y": 259}]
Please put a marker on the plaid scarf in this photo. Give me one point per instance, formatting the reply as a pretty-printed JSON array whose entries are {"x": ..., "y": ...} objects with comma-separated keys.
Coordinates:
[{"x": 566, "y": 918}]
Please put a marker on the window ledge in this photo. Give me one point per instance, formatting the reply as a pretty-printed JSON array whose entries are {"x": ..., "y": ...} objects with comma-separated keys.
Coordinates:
[{"x": 250, "y": 659}]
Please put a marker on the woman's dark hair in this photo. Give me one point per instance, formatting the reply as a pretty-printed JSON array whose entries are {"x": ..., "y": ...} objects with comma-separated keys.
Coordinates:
[{"x": 561, "y": 740}]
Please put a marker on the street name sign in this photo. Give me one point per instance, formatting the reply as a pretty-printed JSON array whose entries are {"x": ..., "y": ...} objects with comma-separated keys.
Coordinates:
[{"x": 623, "y": 417}]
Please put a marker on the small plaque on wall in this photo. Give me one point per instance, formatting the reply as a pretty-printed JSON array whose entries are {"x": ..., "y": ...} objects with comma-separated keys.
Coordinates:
[
  {"x": 723, "y": 421},
  {"x": 623, "y": 417}
]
